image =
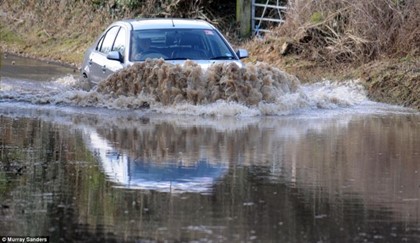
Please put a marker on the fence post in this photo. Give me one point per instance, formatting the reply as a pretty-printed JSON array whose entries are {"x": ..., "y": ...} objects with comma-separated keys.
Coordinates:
[{"x": 243, "y": 17}]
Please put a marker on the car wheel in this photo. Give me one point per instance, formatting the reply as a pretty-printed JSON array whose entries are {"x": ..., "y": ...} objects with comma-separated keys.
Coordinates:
[{"x": 85, "y": 83}]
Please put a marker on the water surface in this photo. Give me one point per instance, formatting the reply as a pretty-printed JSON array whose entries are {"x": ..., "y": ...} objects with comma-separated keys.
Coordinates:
[{"x": 323, "y": 173}]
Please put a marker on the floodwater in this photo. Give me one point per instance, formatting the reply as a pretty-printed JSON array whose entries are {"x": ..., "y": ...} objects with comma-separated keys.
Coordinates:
[{"x": 319, "y": 164}]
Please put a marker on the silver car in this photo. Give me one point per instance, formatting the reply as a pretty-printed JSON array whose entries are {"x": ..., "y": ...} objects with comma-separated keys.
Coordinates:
[{"x": 174, "y": 40}]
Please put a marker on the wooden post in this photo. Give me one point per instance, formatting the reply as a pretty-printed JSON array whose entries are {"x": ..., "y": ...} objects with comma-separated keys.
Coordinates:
[{"x": 243, "y": 16}]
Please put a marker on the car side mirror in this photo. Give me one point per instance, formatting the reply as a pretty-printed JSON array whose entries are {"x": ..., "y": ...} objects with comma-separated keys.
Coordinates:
[
  {"x": 115, "y": 55},
  {"x": 242, "y": 53}
]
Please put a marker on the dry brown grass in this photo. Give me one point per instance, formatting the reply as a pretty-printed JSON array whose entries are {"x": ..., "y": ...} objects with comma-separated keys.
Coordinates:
[
  {"x": 54, "y": 30},
  {"x": 394, "y": 82},
  {"x": 353, "y": 30},
  {"x": 378, "y": 41},
  {"x": 63, "y": 30},
  {"x": 383, "y": 36}
]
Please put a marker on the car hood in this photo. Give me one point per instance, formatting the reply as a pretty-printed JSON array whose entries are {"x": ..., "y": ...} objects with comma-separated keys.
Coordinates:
[{"x": 205, "y": 64}]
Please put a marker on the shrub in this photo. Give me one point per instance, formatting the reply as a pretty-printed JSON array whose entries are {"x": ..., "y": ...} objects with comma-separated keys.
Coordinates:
[{"x": 353, "y": 30}]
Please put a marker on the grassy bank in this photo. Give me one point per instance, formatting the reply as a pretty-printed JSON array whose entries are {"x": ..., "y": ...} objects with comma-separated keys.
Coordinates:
[
  {"x": 391, "y": 80},
  {"x": 375, "y": 41},
  {"x": 50, "y": 30}
]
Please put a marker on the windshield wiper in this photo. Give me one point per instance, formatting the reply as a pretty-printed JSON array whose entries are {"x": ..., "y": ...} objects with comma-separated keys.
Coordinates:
[
  {"x": 222, "y": 58},
  {"x": 178, "y": 58}
]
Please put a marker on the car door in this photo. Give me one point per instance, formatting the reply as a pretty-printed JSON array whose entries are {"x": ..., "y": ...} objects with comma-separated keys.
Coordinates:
[
  {"x": 118, "y": 46},
  {"x": 98, "y": 61}
]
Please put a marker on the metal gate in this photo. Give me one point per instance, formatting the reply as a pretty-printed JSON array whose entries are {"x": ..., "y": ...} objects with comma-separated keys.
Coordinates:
[{"x": 266, "y": 14}]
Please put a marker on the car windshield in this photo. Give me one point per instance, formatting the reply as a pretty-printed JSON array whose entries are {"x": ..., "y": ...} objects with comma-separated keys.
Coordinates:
[{"x": 179, "y": 44}]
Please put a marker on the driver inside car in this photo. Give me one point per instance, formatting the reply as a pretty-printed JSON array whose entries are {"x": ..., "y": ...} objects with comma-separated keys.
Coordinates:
[
  {"x": 144, "y": 44},
  {"x": 141, "y": 47}
]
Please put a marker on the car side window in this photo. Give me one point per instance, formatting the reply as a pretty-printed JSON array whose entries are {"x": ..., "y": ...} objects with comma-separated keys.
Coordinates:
[
  {"x": 98, "y": 47},
  {"x": 119, "y": 44},
  {"x": 109, "y": 40}
]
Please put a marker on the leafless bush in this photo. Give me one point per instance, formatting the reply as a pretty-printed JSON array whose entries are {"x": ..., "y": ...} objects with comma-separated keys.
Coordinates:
[{"x": 353, "y": 30}]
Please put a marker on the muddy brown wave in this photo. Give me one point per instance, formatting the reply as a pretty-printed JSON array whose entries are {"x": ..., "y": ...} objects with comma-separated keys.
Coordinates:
[{"x": 174, "y": 83}]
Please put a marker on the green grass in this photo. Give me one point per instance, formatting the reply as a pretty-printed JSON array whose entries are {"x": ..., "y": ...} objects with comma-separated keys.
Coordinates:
[{"x": 8, "y": 36}]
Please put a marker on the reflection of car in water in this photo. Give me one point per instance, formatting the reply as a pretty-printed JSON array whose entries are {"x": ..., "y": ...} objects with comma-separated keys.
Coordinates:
[
  {"x": 174, "y": 40},
  {"x": 171, "y": 176}
]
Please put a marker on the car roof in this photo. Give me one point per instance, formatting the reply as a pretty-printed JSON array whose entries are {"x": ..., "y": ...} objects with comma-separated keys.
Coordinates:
[{"x": 161, "y": 23}]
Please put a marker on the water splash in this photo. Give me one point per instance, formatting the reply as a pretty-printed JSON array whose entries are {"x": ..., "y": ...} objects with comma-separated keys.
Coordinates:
[
  {"x": 221, "y": 90},
  {"x": 173, "y": 84}
]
